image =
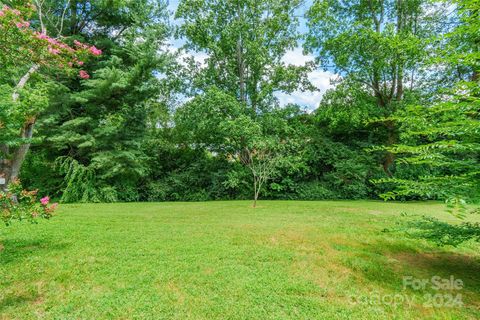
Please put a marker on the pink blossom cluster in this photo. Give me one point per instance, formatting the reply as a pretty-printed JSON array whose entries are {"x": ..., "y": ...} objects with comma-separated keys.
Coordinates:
[
  {"x": 55, "y": 47},
  {"x": 84, "y": 74},
  {"x": 22, "y": 24},
  {"x": 45, "y": 201},
  {"x": 53, "y": 50},
  {"x": 3, "y": 10},
  {"x": 53, "y": 43},
  {"x": 7, "y": 9},
  {"x": 19, "y": 24},
  {"x": 93, "y": 50},
  {"x": 78, "y": 44},
  {"x": 75, "y": 62},
  {"x": 65, "y": 55}
]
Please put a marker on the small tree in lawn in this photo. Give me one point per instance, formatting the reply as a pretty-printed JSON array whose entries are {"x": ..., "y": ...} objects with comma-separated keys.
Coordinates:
[
  {"x": 257, "y": 151},
  {"x": 262, "y": 159}
]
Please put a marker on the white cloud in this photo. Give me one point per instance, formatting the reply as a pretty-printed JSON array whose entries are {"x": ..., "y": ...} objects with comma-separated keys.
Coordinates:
[
  {"x": 296, "y": 57},
  {"x": 320, "y": 79},
  {"x": 175, "y": 46},
  {"x": 199, "y": 57},
  {"x": 309, "y": 100}
]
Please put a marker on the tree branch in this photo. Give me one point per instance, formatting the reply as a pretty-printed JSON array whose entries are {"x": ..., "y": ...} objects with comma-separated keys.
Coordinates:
[{"x": 23, "y": 81}]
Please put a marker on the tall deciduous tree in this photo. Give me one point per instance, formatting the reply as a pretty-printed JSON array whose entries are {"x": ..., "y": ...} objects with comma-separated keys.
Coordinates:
[
  {"x": 381, "y": 44},
  {"x": 245, "y": 42},
  {"x": 444, "y": 136}
]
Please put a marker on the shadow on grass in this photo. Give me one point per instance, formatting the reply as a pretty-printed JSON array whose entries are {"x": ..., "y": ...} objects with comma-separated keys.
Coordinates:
[
  {"x": 15, "y": 250},
  {"x": 387, "y": 263},
  {"x": 444, "y": 264},
  {"x": 16, "y": 300}
]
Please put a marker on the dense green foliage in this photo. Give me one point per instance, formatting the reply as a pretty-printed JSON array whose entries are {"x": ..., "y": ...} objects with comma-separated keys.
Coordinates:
[
  {"x": 94, "y": 131},
  {"x": 443, "y": 136}
]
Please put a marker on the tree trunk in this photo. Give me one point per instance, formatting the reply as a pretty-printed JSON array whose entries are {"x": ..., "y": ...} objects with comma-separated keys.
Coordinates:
[
  {"x": 241, "y": 71},
  {"x": 10, "y": 168},
  {"x": 5, "y": 169},
  {"x": 11, "y": 160},
  {"x": 389, "y": 157},
  {"x": 387, "y": 162},
  {"x": 400, "y": 28},
  {"x": 400, "y": 90},
  {"x": 4, "y": 165},
  {"x": 240, "y": 60},
  {"x": 255, "y": 193},
  {"x": 21, "y": 152},
  {"x": 23, "y": 81},
  {"x": 73, "y": 15}
]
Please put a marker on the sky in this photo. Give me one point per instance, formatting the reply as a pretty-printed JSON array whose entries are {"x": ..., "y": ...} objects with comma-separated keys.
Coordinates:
[{"x": 319, "y": 78}]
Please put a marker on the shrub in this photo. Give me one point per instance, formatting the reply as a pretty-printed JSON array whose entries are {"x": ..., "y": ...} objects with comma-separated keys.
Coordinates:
[
  {"x": 314, "y": 190},
  {"x": 18, "y": 204}
]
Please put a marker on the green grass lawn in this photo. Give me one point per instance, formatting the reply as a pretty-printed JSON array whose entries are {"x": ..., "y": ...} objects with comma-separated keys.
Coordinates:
[{"x": 226, "y": 260}]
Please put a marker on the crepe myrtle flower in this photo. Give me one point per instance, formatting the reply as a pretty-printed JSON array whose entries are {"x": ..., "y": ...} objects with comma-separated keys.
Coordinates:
[
  {"x": 84, "y": 74},
  {"x": 45, "y": 200}
]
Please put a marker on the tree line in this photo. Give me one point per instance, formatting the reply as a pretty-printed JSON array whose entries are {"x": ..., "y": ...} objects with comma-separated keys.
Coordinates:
[{"x": 143, "y": 122}]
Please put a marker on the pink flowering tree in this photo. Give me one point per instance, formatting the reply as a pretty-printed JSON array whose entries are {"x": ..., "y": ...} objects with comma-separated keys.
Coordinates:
[{"x": 24, "y": 53}]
